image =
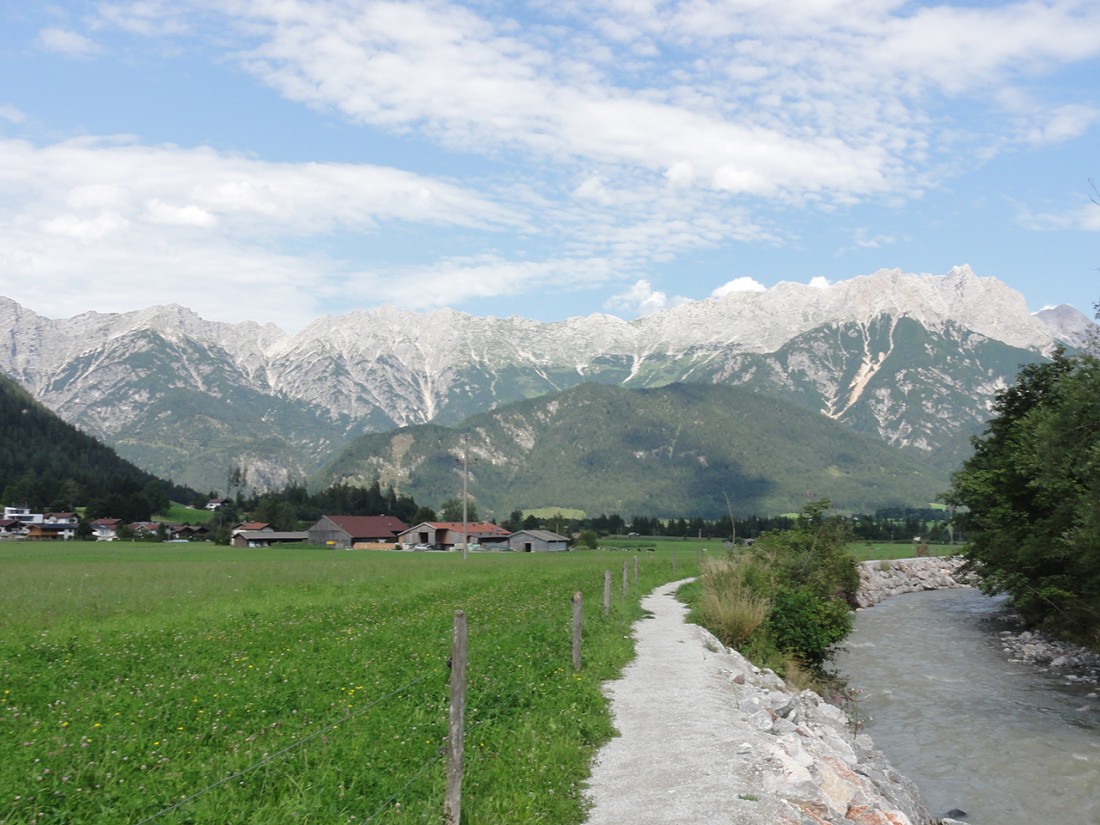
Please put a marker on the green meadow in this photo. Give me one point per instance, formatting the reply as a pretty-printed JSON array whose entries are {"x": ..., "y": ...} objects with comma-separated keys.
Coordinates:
[{"x": 194, "y": 684}]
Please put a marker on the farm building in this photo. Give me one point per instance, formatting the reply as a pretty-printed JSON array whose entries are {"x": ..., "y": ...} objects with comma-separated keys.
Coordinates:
[
  {"x": 267, "y": 538},
  {"x": 355, "y": 531},
  {"x": 537, "y": 541},
  {"x": 447, "y": 535}
]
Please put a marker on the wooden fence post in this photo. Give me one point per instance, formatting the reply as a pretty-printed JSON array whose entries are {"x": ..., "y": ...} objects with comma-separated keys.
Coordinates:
[
  {"x": 624, "y": 578},
  {"x": 606, "y": 592},
  {"x": 635, "y": 570},
  {"x": 452, "y": 805},
  {"x": 577, "y": 630}
]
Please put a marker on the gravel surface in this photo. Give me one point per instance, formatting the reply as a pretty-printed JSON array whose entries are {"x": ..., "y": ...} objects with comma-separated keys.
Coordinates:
[{"x": 684, "y": 753}]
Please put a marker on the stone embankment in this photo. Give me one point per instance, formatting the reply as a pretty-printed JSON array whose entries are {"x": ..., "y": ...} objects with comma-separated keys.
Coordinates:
[
  {"x": 879, "y": 580},
  {"x": 1071, "y": 663},
  {"x": 810, "y": 755}
]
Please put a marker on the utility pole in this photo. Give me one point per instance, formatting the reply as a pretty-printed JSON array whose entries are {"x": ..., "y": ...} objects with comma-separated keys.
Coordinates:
[
  {"x": 733, "y": 526},
  {"x": 465, "y": 475}
]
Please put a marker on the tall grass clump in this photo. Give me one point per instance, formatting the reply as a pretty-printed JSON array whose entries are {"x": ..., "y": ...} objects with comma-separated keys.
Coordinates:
[
  {"x": 786, "y": 602},
  {"x": 727, "y": 605}
]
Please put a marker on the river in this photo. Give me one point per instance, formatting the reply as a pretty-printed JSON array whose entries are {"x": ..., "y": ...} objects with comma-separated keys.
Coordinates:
[{"x": 1005, "y": 742}]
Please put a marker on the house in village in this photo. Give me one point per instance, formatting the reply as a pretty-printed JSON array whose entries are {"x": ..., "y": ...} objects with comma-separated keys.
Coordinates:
[
  {"x": 217, "y": 503},
  {"x": 12, "y": 528},
  {"x": 20, "y": 522},
  {"x": 105, "y": 529},
  {"x": 187, "y": 532},
  {"x": 356, "y": 532},
  {"x": 46, "y": 531},
  {"x": 447, "y": 535},
  {"x": 537, "y": 541},
  {"x": 22, "y": 514}
]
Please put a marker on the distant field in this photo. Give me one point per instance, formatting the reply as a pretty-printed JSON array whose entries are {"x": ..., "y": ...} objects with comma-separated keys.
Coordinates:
[
  {"x": 862, "y": 551},
  {"x": 182, "y": 514},
  {"x": 304, "y": 685},
  {"x": 866, "y": 551}
]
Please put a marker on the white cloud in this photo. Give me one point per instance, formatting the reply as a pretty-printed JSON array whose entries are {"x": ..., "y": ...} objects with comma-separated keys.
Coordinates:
[
  {"x": 459, "y": 280},
  {"x": 1061, "y": 124},
  {"x": 642, "y": 299},
  {"x": 864, "y": 240},
  {"x": 69, "y": 43},
  {"x": 12, "y": 114},
  {"x": 819, "y": 282},
  {"x": 1083, "y": 218},
  {"x": 85, "y": 229},
  {"x": 157, "y": 211},
  {"x": 113, "y": 214},
  {"x": 742, "y": 284}
]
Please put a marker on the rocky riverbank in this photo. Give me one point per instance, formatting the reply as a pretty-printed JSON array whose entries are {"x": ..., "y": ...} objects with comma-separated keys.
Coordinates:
[
  {"x": 879, "y": 580},
  {"x": 1071, "y": 663}
]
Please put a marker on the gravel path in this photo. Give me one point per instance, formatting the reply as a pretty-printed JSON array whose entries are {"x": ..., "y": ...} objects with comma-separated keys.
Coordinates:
[{"x": 682, "y": 756}]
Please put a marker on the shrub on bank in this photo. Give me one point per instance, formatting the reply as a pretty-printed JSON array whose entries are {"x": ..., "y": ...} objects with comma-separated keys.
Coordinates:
[{"x": 784, "y": 603}]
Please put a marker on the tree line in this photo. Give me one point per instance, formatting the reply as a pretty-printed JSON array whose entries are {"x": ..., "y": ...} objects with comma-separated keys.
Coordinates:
[{"x": 1029, "y": 497}]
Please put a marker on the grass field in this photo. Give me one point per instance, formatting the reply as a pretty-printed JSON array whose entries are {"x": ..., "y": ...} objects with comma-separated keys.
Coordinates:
[
  {"x": 193, "y": 684},
  {"x": 182, "y": 514}
]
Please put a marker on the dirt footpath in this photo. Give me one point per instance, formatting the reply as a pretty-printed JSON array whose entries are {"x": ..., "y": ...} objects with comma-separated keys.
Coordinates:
[{"x": 676, "y": 760}]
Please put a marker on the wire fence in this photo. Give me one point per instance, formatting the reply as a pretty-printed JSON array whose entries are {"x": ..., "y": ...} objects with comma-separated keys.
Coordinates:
[{"x": 519, "y": 636}]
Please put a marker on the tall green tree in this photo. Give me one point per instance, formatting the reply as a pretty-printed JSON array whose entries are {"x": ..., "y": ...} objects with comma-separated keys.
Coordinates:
[
  {"x": 1029, "y": 495},
  {"x": 452, "y": 510}
]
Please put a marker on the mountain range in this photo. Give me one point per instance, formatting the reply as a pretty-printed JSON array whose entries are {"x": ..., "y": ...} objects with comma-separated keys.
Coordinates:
[{"x": 910, "y": 359}]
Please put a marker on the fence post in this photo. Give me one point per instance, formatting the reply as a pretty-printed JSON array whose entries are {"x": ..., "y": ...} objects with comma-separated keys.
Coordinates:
[
  {"x": 577, "y": 630},
  {"x": 606, "y": 592},
  {"x": 624, "y": 578},
  {"x": 452, "y": 805},
  {"x": 635, "y": 570}
]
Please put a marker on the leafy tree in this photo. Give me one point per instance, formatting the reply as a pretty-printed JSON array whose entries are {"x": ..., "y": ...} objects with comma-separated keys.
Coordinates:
[
  {"x": 532, "y": 523},
  {"x": 812, "y": 554},
  {"x": 588, "y": 538},
  {"x": 1030, "y": 497},
  {"x": 452, "y": 510},
  {"x": 423, "y": 514},
  {"x": 514, "y": 521}
]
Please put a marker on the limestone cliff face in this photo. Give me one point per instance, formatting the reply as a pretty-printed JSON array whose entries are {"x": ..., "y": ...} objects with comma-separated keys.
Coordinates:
[{"x": 911, "y": 358}]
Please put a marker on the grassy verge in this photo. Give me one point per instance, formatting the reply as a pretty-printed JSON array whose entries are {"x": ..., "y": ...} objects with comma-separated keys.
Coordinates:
[
  {"x": 875, "y": 551},
  {"x": 300, "y": 685}
]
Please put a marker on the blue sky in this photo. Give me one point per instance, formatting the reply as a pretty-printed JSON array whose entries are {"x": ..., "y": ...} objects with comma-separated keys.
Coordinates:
[{"x": 277, "y": 160}]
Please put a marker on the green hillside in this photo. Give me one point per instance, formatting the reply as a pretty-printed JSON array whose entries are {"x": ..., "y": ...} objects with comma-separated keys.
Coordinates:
[
  {"x": 676, "y": 450},
  {"x": 48, "y": 464}
]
